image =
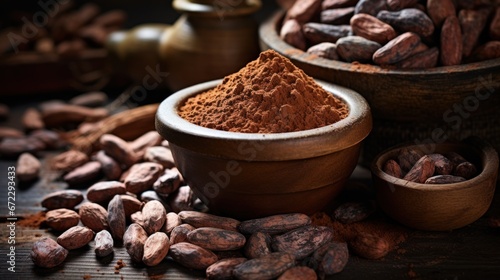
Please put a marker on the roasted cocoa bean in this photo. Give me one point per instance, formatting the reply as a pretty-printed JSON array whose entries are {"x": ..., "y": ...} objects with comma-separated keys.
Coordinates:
[
  {"x": 408, "y": 157},
  {"x": 61, "y": 219},
  {"x": 109, "y": 166},
  {"x": 172, "y": 220},
  {"x": 216, "y": 239},
  {"x": 223, "y": 269},
  {"x": 397, "y": 49},
  {"x": 116, "y": 218},
  {"x": 137, "y": 218},
  {"x": 94, "y": 216},
  {"x": 299, "y": 273},
  {"x": 439, "y": 10},
  {"x": 325, "y": 50},
  {"x": 466, "y": 170},
  {"x": 396, "y": 5},
  {"x": 303, "y": 11},
  {"x": 421, "y": 171},
  {"x": 47, "y": 253},
  {"x": 103, "y": 243},
  {"x": 369, "y": 246},
  {"x": 27, "y": 167},
  {"x": 118, "y": 149},
  {"x": 443, "y": 166},
  {"x": 275, "y": 224},
  {"x": 134, "y": 239},
  {"x": 425, "y": 59},
  {"x": 333, "y": 4},
  {"x": 155, "y": 248},
  {"x": 62, "y": 199},
  {"x": 104, "y": 191},
  {"x": 489, "y": 50},
  {"x": 63, "y": 114},
  {"x": 392, "y": 168},
  {"x": 131, "y": 204},
  {"x": 352, "y": 212},
  {"x": 317, "y": 33},
  {"x": 88, "y": 172},
  {"x": 142, "y": 176},
  {"x": 13, "y": 147},
  {"x": 148, "y": 139},
  {"x": 199, "y": 219},
  {"x": 90, "y": 99},
  {"x": 192, "y": 256},
  {"x": 154, "y": 216},
  {"x": 181, "y": 200},
  {"x": 494, "y": 28},
  {"x": 9, "y": 132},
  {"x": 444, "y": 179},
  {"x": 161, "y": 155},
  {"x": 291, "y": 33},
  {"x": 148, "y": 196},
  {"x": 472, "y": 23},
  {"x": 303, "y": 241},
  {"x": 168, "y": 182},
  {"x": 371, "y": 28},
  {"x": 51, "y": 139},
  {"x": 337, "y": 16},
  {"x": 264, "y": 268},
  {"x": 408, "y": 20},
  {"x": 371, "y": 7},
  {"x": 334, "y": 258},
  {"x": 68, "y": 160},
  {"x": 32, "y": 119},
  {"x": 451, "y": 42},
  {"x": 179, "y": 233},
  {"x": 258, "y": 245},
  {"x": 75, "y": 237}
]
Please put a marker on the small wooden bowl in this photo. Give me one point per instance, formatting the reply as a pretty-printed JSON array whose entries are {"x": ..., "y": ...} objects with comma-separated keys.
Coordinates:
[
  {"x": 247, "y": 175},
  {"x": 436, "y": 206}
]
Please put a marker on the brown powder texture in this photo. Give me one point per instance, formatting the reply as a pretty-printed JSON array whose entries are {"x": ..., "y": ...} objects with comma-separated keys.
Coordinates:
[
  {"x": 268, "y": 95},
  {"x": 33, "y": 220}
]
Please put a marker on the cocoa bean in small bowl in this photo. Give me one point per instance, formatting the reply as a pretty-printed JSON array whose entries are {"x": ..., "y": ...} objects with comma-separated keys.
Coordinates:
[
  {"x": 425, "y": 186},
  {"x": 257, "y": 173}
]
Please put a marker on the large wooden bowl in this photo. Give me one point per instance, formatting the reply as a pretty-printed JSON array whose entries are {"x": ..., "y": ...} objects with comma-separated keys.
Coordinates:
[
  {"x": 433, "y": 206},
  {"x": 247, "y": 175},
  {"x": 412, "y": 105}
]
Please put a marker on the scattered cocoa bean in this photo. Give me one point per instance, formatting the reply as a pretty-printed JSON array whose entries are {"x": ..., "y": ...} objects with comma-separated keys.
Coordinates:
[
  {"x": 334, "y": 259},
  {"x": 371, "y": 28},
  {"x": 356, "y": 48},
  {"x": 302, "y": 241},
  {"x": 303, "y": 11},
  {"x": 172, "y": 220},
  {"x": 134, "y": 239},
  {"x": 118, "y": 149},
  {"x": 161, "y": 155},
  {"x": 317, "y": 33},
  {"x": 148, "y": 139},
  {"x": 109, "y": 166},
  {"x": 408, "y": 157},
  {"x": 152, "y": 195},
  {"x": 466, "y": 170},
  {"x": 155, "y": 248},
  {"x": 408, "y": 20},
  {"x": 299, "y": 273},
  {"x": 32, "y": 119},
  {"x": 68, "y": 160},
  {"x": 223, "y": 269},
  {"x": 28, "y": 167},
  {"x": 181, "y": 200},
  {"x": 371, "y": 7},
  {"x": 392, "y": 168},
  {"x": 104, "y": 191},
  {"x": 337, "y": 16},
  {"x": 75, "y": 237},
  {"x": 443, "y": 166},
  {"x": 154, "y": 216},
  {"x": 192, "y": 256},
  {"x": 258, "y": 245},
  {"x": 88, "y": 172},
  {"x": 369, "y": 246},
  {"x": 199, "y": 219},
  {"x": 444, "y": 179},
  {"x": 291, "y": 33},
  {"x": 8, "y": 132},
  {"x": 62, "y": 199},
  {"x": 137, "y": 218},
  {"x": 142, "y": 176},
  {"x": 425, "y": 59},
  {"x": 472, "y": 23},
  {"x": 439, "y": 10},
  {"x": 325, "y": 50},
  {"x": 131, "y": 204},
  {"x": 397, "y": 49},
  {"x": 47, "y": 253},
  {"x": 216, "y": 239},
  {"x": 333, "y": 4},
  {"x": 179, "y": 233},
  {"x": 103, "y": 244},
  {"x": 275, "y": 224},
  {"x": 13, "y": 147},
  {"x": 396, "y": 5},
  {"x": 116, "y": 218},
  {"x": 168, "y": 182},
  {"x": 93, "y": 216},
  {"x": 451, "y": 42},
  {"x": 90, "y": 99},
  {"x": 61, "y": 219},
  {"x": 352, "y": 212},
  {"x": 62, "y": 114},
  {"x": 421, "y": 171},
  {"x": 266, "y": 267},
  {"x": 50, "y": 138}
]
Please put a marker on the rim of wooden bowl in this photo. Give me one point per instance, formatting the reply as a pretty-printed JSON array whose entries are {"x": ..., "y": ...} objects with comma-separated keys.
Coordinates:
[{"x": 279, "y": 146}]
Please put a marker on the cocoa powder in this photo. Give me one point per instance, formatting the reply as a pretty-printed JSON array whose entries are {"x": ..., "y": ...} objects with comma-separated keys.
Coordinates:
[{"x": 269, "y": 95}]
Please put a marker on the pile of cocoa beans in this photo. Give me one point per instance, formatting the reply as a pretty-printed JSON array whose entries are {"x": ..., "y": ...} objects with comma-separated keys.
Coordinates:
[
  {"x": 59, "y": 27},
  {"x": 403, "y": 34},
  {"x": 412, "y": 165}
]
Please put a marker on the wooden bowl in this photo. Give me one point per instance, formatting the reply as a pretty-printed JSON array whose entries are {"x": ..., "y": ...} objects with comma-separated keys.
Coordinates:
[
  {"x": 435, "y": 206},
  {"x": 408, "y": 104},
  {"x": 247, "y": 175}
]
